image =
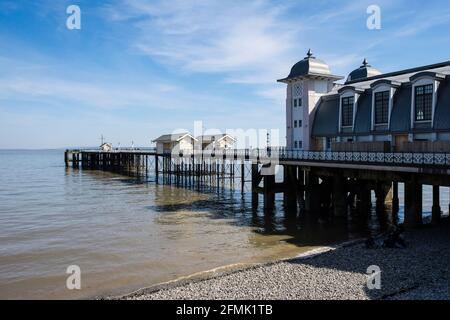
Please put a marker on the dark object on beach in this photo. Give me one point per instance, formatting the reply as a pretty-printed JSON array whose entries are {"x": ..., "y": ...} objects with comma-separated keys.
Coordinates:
[
  {"x": 370, "y": 243},
  {"x": 395, "y": 239}
]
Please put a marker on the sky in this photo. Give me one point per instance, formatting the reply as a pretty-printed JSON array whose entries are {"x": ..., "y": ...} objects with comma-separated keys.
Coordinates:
[{"x": 141, "y": 68}]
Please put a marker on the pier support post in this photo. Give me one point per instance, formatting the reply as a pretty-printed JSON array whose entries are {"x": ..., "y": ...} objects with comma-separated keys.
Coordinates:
[
  {"x": 269, "y": 186},
  {"x": 395, "y": 200},
  {"x": 363, "y": 198},
  {"x": 242, "y": 176},
  {"x": 339, "y": 196},
  {"x": 156, "y": 168},
  {"x": 66, "y": 158},
  {"x": 290, "y": 186},
  {"x": 301, "y": 188},
  {"x": 312, "y": 196},
  {"x": 383, "y": 196},
  {"x": 255, "y": 183},
  {"x": 436, "y": 209},
  {"x": 413, "y": 204},
  {"x": 382, "y": 191}
]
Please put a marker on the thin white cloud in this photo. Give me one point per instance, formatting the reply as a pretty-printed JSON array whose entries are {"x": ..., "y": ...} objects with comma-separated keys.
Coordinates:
[
  {"x": 248, "y": 39},
  {"x": 423, "y": 22},
  {"x": 244, "y": 42}
]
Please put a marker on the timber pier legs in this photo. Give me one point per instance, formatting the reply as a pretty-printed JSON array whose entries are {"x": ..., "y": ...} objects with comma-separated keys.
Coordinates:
[
  {"x": 301, "y": 188},
  {"x": 312, "y": 196},
  {"x": 255, "y": 183},
  {"x": 413, "y": 204},
  {"x": 395, "y": 200},
  {"x": 383, "y": 195},
  {"x": 290, "y": 187},
  {"x": 301, "y": 185},
  {"x": 269, "y": 186},
  {"x": 436, "y": 209},
  {"x": 156, "y": 168},
  {"x": 339, "y": 197},
  {"x": 364, "y": 198},
  {"x": 66, "y": 158}
]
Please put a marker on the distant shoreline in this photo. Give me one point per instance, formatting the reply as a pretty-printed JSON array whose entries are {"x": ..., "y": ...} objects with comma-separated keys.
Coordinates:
[{"x": 336, "y": 272}]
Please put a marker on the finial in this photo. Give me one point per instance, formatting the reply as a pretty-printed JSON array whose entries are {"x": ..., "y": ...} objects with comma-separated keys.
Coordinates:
[
  {"x": 365, "y": 63},
  {"x": 309, "y": 54}
]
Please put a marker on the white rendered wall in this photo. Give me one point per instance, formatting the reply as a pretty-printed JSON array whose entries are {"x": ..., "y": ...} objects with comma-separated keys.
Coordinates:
[{"x": 310, "y": 91}]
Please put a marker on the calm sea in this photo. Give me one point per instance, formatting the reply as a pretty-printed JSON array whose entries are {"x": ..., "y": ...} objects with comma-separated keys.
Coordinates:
[{"x": 125, "y": 233}]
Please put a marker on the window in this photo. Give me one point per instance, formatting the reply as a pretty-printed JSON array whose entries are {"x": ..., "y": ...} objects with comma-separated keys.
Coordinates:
[
  {"x": 347, "y": 111},
  {"x": 295, "y": 145},
  {"x": 295, "y": 123},
  {"x": 424, "y": 102},
  {"x": 297, "y": 103},
  {"x": 300, "y": 144},
  {"x": 299, "y": 123},
  {"x": 382, "y": 107}
]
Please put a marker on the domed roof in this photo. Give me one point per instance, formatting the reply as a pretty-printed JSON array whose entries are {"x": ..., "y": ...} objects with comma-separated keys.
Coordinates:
[
  {"x": 310, "y": 66},
  {"x": 364, "y": 71}
]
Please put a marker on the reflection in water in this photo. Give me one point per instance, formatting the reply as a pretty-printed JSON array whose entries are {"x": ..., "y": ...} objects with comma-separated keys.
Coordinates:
[{"x": 126, "y": 233}]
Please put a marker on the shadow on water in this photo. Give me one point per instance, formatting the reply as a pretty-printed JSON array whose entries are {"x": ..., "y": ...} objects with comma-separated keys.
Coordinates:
[
  {"x": 223, "y": 201},
  {"x": 188, "y": 206}
]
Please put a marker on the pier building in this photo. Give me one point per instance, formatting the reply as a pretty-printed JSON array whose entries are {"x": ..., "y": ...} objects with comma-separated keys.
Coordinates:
[{"x": 400, "y": 111}]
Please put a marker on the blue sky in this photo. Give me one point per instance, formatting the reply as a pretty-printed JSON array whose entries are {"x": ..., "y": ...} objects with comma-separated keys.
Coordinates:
[{"x": 138, "y": 68}]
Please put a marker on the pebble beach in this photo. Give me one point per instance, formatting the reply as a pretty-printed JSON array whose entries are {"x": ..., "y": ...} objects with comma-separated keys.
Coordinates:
[{"x": 420, "y": 271}]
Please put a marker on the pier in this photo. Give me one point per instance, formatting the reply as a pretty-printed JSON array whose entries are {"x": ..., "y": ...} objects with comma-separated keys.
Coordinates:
[{"x": 312, "y": 180}]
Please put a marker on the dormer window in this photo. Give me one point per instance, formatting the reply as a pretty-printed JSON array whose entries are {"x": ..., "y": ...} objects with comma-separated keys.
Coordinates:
[
  {"x": 423, "y": 102},
  {"x": 347, "y": 111},
  {"x": 381, "y": 101},
  {"x": 383, "y": 92}
]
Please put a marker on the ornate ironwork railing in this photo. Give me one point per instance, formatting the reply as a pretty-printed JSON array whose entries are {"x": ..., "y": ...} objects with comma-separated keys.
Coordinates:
[
  {"x": 377, "y": 158},
  {"x": 282, "y": 154}
]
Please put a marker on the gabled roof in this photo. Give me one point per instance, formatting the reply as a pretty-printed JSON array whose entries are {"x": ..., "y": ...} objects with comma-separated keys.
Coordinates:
[
  {"x": 109, "y": 144},
  {"x": 173, "y": 137},
  {"x": 214, "y": 137}
]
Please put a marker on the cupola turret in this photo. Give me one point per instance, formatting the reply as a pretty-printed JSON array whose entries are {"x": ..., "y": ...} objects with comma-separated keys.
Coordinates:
[{"x": 364, "y": 71}]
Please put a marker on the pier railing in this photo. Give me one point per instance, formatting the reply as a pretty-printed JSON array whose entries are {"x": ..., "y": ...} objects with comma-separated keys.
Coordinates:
[
  {"x": 282, "y": 154},
  {"x": 386, "y": 158}
]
